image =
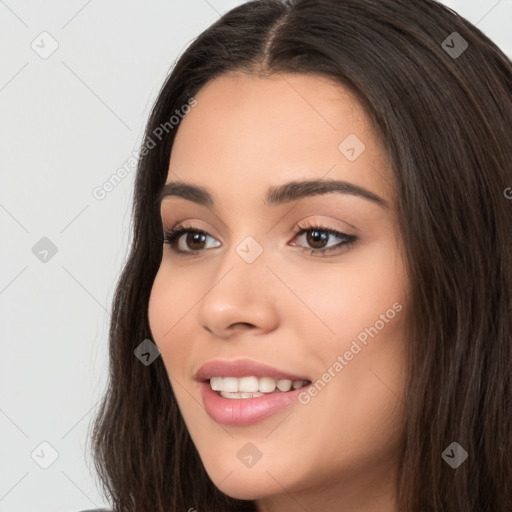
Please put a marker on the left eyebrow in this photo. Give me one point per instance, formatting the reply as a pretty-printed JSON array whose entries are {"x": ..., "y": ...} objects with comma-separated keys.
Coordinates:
[{"x": 276, "y": 195}]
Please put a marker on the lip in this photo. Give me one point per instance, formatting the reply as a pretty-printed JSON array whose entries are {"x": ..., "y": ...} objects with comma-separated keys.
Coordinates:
[
  {"x": 244, "y": 411},
  {"x": 242, "y": 368}
]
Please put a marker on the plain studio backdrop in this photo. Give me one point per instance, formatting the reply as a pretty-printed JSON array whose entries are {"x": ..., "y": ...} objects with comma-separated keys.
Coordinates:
[{"x": 77, "y": 81}]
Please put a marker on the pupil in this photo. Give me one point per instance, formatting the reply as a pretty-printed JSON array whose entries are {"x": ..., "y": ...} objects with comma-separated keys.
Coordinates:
[
  {"x": 194, "y": 238},
  {"x": 317, "y": 237}
]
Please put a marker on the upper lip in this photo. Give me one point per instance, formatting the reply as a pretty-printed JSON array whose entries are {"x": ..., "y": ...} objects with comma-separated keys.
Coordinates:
[{"x": 242, "y": 368}]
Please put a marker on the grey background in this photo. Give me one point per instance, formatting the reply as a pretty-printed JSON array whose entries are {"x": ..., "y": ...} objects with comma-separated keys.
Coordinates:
[{"x": 67, "y": 123}]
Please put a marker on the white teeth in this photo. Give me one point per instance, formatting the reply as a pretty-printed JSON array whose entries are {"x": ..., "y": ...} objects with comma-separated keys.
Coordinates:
[
  {"x": 252, "y": 386},
  {"x": 284, "y": 385},
  {"x": 266, "y": 384},
  {"x": 230, "y": 384},
  {"x": 247, "y": 385},
  {"x": 215, "y": 383},
  {"x": 226, "y": 394}
]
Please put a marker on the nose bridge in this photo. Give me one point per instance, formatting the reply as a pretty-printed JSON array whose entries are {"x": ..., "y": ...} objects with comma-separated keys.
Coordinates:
[
  {"x": 248, "y": 247},
  {"x": 241, "y": 290},
  {"x": 243, "y": 268}
]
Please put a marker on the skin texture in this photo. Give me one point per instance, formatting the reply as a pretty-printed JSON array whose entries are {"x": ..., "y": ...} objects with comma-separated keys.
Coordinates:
[{"x": 289, "y": 309}]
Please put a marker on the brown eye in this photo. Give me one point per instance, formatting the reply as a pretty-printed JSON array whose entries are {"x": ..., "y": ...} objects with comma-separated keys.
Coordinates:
[
  {"x": 317, "y": 237},
  {"x": 194, "y": 241}
]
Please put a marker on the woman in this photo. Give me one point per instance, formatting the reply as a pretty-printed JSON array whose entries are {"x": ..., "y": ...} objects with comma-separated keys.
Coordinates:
[{"x": 316, "y": 309}]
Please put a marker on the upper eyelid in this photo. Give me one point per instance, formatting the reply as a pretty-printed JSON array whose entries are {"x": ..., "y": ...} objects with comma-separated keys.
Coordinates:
[
  {"x": 353, "y": 230},
  {"x": 294, "y": 231}
]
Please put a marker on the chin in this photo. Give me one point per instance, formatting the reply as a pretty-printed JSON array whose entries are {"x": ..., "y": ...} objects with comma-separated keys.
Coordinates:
[
  {"x": 244, "y": 483},
  {"x": 247, "y": 487}
]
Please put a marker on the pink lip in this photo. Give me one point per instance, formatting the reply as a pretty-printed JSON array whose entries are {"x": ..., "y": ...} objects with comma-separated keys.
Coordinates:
[
  {"x": 242, "y": 368},
  {"x": 244, "y": 411}
]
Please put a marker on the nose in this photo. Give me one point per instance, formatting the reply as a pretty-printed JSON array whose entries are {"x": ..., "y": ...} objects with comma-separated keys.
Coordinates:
[{"x": 240, "y": 297}]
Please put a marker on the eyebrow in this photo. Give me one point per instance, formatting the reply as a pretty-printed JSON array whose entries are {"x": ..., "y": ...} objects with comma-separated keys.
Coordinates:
[{"x": 276, "y": 195}]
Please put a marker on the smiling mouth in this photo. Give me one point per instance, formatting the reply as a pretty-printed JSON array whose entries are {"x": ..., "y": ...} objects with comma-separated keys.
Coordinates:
[{"x": 252, "y": 386}]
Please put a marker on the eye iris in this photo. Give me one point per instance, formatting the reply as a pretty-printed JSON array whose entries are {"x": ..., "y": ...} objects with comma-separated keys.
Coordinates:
[
  {"x": 314, "y": 237},
  {"x": 193, "y": 238}
]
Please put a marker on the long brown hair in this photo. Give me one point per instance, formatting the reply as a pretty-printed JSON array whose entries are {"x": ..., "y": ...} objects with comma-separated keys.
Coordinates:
[{"x": 444, "y": 113}]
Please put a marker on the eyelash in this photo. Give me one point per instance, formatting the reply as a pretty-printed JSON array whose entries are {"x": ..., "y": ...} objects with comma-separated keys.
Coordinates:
[{"x": 173, "y": 235}]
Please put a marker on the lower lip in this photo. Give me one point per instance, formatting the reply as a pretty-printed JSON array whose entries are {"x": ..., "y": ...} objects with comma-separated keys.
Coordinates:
[{"x": 245, "y": 411}]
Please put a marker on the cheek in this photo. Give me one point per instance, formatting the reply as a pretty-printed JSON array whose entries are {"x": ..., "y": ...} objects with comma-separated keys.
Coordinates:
[
  {"x": 169, "y": 301},
  {"x": 172, "y": 313},
  {"x": 358, "y": 350},
  {"x": 159, "y": 308},
  {"x": 341, "y": 301}
]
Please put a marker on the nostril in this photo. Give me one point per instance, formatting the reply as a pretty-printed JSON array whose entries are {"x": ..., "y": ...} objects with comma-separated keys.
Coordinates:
[{"x": 244, "y": 324}]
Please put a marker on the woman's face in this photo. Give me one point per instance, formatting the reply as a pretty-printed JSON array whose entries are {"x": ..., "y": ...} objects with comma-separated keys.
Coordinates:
[{"x": 251, "y": 291}]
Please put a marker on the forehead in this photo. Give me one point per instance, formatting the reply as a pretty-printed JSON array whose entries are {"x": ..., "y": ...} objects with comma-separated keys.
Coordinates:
[{"x": 248, "y": 132}]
